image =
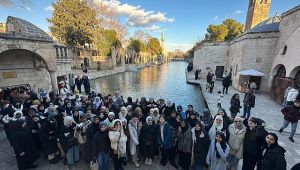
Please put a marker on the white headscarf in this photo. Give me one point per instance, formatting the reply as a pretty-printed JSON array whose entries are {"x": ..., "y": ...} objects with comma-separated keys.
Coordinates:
[{"x": 216, "y": 127}]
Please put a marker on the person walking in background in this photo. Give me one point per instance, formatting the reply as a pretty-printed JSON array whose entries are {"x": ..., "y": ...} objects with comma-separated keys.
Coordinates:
[
  {"x": 200, "y": 146},
  {"x": 291, "y": 115},
  {"x": 209, "y": 78},
  {"x": 72, "y": 83},
  {"x": 286, "y": 92},
  {"x": 235, "y": 105},
  {"x": 134, "y": 138},
  {"x": 237, "y": 132},
  {"x": 78, "y": 82},
  {"x": 213, "y": 80},
  {"x": 86, "y": 84},
  {"x": 292, "y": 95},
  {"x": 220, "y": 99},
  {"x": 249, "y": 102},
  {"x": 273, "y": 154},
  {"x": 226, "y": 83},
  {"x": 218, "y": 152}
]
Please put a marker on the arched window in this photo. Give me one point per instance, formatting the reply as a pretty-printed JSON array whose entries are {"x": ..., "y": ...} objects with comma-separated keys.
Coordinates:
[
  {"x": 297, "y": 78},
  {"x": 281, "y": 72}
]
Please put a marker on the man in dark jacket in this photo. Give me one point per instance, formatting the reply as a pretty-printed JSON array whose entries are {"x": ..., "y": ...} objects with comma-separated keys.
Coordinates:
[
  {"x": 249, "y": 102},
  {"x": 78, "y": 83},
  {"x": 291, "y": 115},
  {"x": 226, "y": 83}
]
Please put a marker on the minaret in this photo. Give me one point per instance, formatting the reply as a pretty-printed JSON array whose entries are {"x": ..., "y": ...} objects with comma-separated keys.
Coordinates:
[
  {"x": 258, "y": 11},
  {"x": 162, "y": 42}
]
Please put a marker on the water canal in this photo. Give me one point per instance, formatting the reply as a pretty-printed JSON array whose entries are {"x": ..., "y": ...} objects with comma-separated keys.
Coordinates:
[{"x": 167, "y": 81}]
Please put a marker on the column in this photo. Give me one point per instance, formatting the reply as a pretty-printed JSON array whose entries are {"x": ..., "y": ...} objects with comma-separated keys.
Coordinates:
[{"x": 53, "y": 81}]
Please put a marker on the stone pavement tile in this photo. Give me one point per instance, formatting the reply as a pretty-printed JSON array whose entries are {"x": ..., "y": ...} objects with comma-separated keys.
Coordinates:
[{"x": 265, "y": 109}]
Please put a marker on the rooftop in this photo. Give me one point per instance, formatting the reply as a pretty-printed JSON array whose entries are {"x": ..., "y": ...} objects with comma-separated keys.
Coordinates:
[{"x": 268, "y": 25}]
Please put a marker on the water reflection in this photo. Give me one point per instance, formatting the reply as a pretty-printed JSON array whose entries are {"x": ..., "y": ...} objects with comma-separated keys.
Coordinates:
[{"x": 166, "y": 81}]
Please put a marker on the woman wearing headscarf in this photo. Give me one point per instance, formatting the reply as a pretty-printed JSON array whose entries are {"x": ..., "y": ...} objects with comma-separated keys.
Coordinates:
[
  {"x": 24, "y": 146},
  {"x": 226, "y": 120},
  {"x": 68, "y": 142},
  {"x": 253, "y": 141},
  {"x": 184, "y": 136},
  {"x": 174, "y": 123},
  {"x": 217, "y": 126},
  {"x": 164, "y": 140},
  {"x": 273, "y": 154},
  {"x": 235, "y": 105},
  {"x": 118, "y": 141},
  {"x": 207, "y": 119},
  {"x": 147, "y": 140},
  {"x": 218, "y": 152},
  {"x": 154, "y": 113},
  {"x": 134, "y": 138},
  {"x": 237, "y": 132},
  {"x": 97, "y": 104},
  {"x": 200, "y": 146},
  {"x": 91, "y": 130},
  {"x": 101, "y": 147},
  {"x": 123, "y": 114},
  {"x": 169, "y": 108}
]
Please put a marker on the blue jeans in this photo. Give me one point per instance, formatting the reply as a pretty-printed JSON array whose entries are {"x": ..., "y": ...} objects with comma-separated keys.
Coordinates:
[
  {"x": 247, "y": 110},
  {"x": 286, "y": 123},
  {"x": 103, "y": 161},
  {"x": 72, "y": 155}
]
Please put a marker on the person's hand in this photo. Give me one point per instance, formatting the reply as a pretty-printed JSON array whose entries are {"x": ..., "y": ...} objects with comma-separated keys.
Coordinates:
[{"x": 22, "y": 154}]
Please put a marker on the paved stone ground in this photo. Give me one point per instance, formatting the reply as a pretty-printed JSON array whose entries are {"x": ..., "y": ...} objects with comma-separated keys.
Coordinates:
[{"x": 264, "y": 108}]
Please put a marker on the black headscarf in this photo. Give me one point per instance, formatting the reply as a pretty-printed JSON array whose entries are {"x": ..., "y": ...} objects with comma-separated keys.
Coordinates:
[{"x": 223, "y": 144}]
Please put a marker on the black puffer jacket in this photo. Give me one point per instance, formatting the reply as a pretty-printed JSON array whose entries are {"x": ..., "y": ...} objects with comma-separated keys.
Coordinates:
[{"x": 273, "y": 158}]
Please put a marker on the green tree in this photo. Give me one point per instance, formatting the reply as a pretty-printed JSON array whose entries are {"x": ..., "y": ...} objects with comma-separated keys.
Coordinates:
[
  {"x": 73, "y": 22},
  {"x": 234, "y": 29},
  {"x": 217, "y": 32},
  {"x": 153, "y": 46},
  {"x": 104, "y": 40},
  {"x": 226, "y": 31},
  {"x": 137, "y": 45}
]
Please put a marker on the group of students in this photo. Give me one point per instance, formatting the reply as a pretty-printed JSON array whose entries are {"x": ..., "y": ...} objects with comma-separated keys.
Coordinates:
[{"x": 100, "y": 127}]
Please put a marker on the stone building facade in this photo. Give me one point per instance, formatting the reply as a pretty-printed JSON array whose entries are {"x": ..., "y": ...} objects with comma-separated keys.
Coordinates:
[
  {"x": 271, "y": 47},
  {"x": 258, "y": 11}
]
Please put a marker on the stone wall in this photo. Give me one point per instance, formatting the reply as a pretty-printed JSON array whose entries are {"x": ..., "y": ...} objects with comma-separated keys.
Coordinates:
[
  {"x": 209, "y": 56},
  {"x": 23, "y": 66},
  {"x": 252, "y": 51},
  {"x": 289, "y": 36}
]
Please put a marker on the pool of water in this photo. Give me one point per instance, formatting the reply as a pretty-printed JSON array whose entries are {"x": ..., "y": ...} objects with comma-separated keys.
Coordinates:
[{"x": 166, "y": 81}]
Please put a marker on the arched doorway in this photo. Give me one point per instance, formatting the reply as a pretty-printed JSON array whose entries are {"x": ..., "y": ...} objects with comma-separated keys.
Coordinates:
[
  {"x": 279, "y": 84},
  {"x": 19, "y": 66},
  {"x": 295, "y": 75}
]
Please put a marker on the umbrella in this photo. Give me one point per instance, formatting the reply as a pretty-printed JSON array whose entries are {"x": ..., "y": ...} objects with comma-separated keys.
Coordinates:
[{"x": 251, "y": 72}]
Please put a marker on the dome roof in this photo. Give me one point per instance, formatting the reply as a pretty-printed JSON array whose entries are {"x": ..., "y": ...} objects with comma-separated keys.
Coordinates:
[
  {"x": 268, "y": 25},
  {"x": 26, "y": 29}
]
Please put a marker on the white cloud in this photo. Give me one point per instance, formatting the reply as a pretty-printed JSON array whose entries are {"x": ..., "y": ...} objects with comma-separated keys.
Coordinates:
[
  {"x": 181, "y": 46},
  {"x": 24, "y": 7},
  {"x": 216, "y": 17},
  {"x": 136, "y": 16},
  {"x": 238, "y": 12},
  {"x": 49, "y": 8}
]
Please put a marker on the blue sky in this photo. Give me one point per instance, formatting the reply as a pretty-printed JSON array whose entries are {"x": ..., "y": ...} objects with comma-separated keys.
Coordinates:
[{"x": 184, "y": 22}]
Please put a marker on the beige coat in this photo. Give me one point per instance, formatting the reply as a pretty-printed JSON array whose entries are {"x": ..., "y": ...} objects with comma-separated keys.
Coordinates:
[{"x": 236, "y": 141}]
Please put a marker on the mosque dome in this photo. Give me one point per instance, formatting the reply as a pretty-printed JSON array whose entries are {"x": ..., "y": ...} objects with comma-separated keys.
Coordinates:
[
  {"x": 26, "y": 29},
  {"x": 268, "y": 25}
]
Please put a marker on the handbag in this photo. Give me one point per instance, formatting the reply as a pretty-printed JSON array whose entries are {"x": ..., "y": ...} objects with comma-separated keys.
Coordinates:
[
  {"x": 94, "y": 164},
  {"x": 71, "y": 141}
]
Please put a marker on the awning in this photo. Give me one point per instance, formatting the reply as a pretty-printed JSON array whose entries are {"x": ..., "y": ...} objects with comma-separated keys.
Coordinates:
[{"x": 251, "y": 72}]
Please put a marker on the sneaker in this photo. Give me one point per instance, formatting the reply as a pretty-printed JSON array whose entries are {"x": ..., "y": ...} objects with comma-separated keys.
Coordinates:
[
  {"x": 291, "y": 139},
  {"x": 146, "y": 161},
  {"x": 150, "y": 161},
  {"x": 137, "y": 164},
  {"x": 280, "y": 130}
]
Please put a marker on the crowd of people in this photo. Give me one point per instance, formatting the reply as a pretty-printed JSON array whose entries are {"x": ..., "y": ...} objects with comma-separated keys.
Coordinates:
[{"x": 101, "y": 127}]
